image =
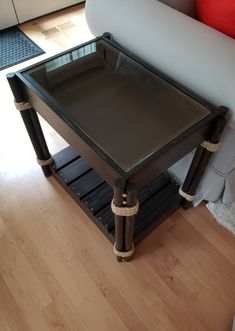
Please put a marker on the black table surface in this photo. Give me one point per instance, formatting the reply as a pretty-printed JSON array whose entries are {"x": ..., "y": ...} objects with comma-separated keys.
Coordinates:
[{"x": 119, "y": 105}]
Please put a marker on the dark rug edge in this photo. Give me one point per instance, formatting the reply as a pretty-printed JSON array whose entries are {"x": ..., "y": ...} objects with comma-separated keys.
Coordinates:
[{"x": 40, "y": 50}]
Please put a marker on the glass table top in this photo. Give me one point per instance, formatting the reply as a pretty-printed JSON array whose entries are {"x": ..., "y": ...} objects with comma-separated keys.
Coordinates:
[{"x": 116, "y": 103}]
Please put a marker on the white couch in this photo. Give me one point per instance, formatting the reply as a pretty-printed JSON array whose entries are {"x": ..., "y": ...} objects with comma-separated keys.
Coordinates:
[{"x": 199, "y": 57}]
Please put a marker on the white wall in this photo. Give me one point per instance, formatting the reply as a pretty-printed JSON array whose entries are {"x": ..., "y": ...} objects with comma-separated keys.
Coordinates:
[{"x": 29, "y": 9}]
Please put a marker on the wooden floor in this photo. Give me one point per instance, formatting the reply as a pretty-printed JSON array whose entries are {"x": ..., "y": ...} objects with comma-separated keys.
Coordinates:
[{"x": 58, "y": 272}]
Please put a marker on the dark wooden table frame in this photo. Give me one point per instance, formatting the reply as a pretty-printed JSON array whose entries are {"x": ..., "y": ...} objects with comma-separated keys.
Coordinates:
[{"x": 125, "y": 185}]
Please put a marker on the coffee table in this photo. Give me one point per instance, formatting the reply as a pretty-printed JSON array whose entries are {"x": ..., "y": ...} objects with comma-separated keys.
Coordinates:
[{"x": 126, "y": 124}]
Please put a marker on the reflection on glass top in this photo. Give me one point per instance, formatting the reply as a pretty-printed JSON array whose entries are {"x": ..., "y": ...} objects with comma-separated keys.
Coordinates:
[
  {"x": 118, "y": 105},
  {"x": 69, "y": 57}
]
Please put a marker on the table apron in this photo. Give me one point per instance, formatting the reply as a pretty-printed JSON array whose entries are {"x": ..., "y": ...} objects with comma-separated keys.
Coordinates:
[
  {"x": 94, "y": 159},
  {"x": 174, "y": 153},
  {"x": 179, "y": 148}
]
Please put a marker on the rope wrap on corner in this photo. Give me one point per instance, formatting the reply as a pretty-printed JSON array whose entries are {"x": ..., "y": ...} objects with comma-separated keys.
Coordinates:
[
  {"x": 45, "y": 162},
  {"x": 123, "y": 255},
  {"x": 185, "y": 195},
  {"x": 211, "y": 147},
  {"x": 21, "y": 106},
  {"x": 125, "y": 211}
]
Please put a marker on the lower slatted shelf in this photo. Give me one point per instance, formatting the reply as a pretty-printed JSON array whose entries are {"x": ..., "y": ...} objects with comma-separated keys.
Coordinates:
[{"x": 94, "y": 195}]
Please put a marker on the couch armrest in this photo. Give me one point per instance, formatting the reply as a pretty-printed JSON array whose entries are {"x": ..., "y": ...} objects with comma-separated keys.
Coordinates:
[{"x": 190, "y": 52}]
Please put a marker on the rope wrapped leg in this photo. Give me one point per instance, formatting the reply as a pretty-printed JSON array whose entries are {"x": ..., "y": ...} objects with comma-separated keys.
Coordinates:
[
  {"x": 133, "y": 205},
  {"x": 44, "y": 163},
  {"x": 202, "y": 157},
  {"x": 185, "y": 195},
  {"x": 125, "y": 212},
  {"x": 118, "y": 191},
  {"x": 211, "y": 147},
  {"x": 123, "y": 255},
  {"x": 21, "y": 106}
]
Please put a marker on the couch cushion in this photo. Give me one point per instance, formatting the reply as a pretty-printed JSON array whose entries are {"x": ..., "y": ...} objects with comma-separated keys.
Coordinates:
[{"x": 219, "y": 14}]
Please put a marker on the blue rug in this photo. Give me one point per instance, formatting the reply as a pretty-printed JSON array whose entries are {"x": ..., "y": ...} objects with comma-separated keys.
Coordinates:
[{"x": 16, "y": 47}]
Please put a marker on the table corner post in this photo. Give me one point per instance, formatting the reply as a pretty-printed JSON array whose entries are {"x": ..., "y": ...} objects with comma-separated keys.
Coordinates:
[
  {"x": 124, "y": 206},
  {"x": 107, "y": 35},
  {"x": 133, "y": 205},
  {"x": 202, "y": 157},
  {"x": 31, "y": 123},
  {"x": 118, "y": 191}
]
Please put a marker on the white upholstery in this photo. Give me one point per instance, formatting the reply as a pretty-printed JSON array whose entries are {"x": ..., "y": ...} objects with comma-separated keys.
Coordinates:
[{"x": 197, "y": 56}]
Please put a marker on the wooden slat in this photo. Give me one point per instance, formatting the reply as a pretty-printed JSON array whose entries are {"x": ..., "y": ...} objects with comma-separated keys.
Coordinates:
[
  {"x": 106, "y": 217},
  {"x": 155, "y": 207},
  {"x": 85, "y": 184},
  {"x": 64, "y": 157},
  {"x": 73, "y": 170},
  {"x": 153, "y": 187},
  {"x": 98, "y": 198}
]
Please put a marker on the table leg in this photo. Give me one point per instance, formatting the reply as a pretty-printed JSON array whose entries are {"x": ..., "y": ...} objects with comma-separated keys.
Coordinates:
[
  {"x": 131, "y": 197},
  {"x": 108, "y": 35},
  {"x": 124, "y": 206},
  {"x": 32, "y": 125},
  {"x": 201, "y": 159},
  {"x": 118, "y": 191}
]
